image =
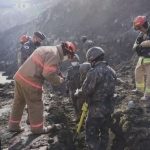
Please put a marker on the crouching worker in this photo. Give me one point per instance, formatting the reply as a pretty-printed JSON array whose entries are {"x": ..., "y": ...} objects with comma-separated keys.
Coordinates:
[
  {"x": 98, "y": 88},
  {"x": 42, "y": 64},
  {"x": 73, "y": 79},
  {"x": 83, "y": 70}
]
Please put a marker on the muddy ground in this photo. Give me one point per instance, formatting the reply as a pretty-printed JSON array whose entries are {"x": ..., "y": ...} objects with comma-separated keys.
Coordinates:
[
  {"x": 58, "y": 109},
  {"x": 130, "y": 127}
]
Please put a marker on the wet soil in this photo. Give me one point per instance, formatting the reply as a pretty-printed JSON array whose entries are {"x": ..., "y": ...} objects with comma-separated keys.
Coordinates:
[{"x": 130, "y": 128}]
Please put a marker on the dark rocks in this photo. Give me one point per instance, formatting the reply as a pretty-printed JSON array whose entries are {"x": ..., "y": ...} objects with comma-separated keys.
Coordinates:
[{"x": 132, "y": 128}]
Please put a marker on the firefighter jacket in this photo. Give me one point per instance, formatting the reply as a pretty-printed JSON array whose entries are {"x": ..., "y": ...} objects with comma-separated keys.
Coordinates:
[
  {"x": 142, "y": 44},
  {"x": 42, "y": 64}
]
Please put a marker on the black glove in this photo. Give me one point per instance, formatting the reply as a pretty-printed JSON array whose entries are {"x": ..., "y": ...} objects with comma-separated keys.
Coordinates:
[
  {"x": 139, "y": 50},
  {"x": 139, "y": 39}
]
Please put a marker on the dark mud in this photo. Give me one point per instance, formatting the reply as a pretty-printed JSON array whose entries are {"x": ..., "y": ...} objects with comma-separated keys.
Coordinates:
[
  {"x": 130, "y": 128},
  {"x": 58, "y": 109}
]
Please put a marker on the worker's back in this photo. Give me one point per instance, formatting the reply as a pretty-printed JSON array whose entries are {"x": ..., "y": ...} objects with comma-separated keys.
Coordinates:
[{"x": 43, "y": 61}]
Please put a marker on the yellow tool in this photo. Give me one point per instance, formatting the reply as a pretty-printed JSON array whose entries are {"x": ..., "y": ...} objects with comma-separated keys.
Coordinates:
[{"x": 83, "y": 115}]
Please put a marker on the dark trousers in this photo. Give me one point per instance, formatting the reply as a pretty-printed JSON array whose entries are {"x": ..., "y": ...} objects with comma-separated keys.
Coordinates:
[{"x": 97, "y": 133}]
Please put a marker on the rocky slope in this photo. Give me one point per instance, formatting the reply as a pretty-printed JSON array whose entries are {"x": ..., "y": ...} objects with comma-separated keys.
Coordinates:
[{"x": 107, "y": 22}]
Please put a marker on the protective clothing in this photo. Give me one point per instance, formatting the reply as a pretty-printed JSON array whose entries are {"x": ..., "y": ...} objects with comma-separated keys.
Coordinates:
[
  {"x": 42, "y": 64},
  {"x": 26, "y": 50},
  {"x": 73, "y": 83},
  {"x": 142, "y": 70},
  {"x": 99, "y": 87}
]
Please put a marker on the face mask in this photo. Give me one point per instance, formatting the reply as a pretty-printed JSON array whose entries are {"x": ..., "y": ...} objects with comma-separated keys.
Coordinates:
[
  {"x": 65, "y": 58},
  {"x": 74, "y": 63}
]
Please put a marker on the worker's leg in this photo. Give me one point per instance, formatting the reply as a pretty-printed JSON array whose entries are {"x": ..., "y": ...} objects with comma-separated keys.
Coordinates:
[
  {"x": 139, "y": 77},
  {"x": 92, "y": 133},
  {"x": 147, "y": 73},
  {"x": 34, "y": 102},
  {"x": 17, "y": 108}
]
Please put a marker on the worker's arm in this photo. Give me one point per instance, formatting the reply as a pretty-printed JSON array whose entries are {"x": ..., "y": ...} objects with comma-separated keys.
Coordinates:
[
  {"x": 89, "y": 84},
  {"x": 138, "y": 41},
  {"x": 145, "y": 43},
  {"x": 51, "y": 71},
  {"x": 53, "y": 78}
]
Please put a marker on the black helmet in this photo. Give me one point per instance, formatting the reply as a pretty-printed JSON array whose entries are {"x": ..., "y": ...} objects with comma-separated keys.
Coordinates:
[
  {"x": 84, "y": 68},
  {"x": 83, "y": 38},
  {"x": 40, "y": 35},
  {"x": 95, "y": 53}
]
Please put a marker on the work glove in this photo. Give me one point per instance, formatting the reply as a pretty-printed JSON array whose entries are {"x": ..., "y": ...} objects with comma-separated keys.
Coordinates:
[
  {"x": 78, "y": 92},
  {"x": 62, "y": 80},
  {"x": 145, "y": 43},
  {"x": 138, "y": 50},
  {"x": 139, "y": 39}
]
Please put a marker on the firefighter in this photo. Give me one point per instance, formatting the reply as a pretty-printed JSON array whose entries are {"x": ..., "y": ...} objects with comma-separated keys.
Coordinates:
[
  {"x": 98, "y": 88},
  {"x": 73, "y": 80},
  {"x": 30, "y": 45},
  {"x": 42, "y": 64},
  {"x": 142, "y": 47}
]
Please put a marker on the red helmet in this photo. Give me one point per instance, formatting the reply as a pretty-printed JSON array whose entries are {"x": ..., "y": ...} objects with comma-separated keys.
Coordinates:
[
  {"x": 23, "y": 39},
  {"x": 71, "y": 46},
  {"x": 69, "y": 49},
  {"x": 139, "y": 21}
]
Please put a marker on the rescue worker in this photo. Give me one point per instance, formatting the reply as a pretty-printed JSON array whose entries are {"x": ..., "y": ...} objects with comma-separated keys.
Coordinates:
[
  {"x": 87, "y": 44},
  {"x": 73, "y": 80},
  {"x": 142, "y": 47},
  {"x": 84, "y": 68},
  {"x": 80, "y": 98},
  {"x": 29, "y": 44},
  {"x": 42, "y": 64},
  {"x": 98, "y": 88},
  {"x": 32, "y": 43}
]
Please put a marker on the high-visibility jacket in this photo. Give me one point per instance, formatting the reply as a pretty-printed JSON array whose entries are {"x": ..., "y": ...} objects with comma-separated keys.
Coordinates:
[{"x": 42, "y": 64}]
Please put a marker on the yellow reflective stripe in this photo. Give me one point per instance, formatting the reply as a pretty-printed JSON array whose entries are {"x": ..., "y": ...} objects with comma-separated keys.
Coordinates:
[
  {"x": 140, "y": 60},
  {"x": 147, "y": 90},
  {"x": 140, "y": 85},
  {"x": 146, "y": 60}
]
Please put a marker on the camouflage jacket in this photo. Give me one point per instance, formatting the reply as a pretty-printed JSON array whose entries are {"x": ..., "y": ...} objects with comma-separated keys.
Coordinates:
[
  {"x": 99, "y": 87},
  {"x": 100, "y": 82}
]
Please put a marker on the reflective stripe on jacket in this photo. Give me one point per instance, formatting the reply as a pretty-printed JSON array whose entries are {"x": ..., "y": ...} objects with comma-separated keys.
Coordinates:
[
  {"x": 42, "y": 64},
  {"x": 143, "y": 60}
]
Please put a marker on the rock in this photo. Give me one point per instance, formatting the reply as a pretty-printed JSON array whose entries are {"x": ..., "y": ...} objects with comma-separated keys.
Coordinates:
[{"x": 134, "y": 127}]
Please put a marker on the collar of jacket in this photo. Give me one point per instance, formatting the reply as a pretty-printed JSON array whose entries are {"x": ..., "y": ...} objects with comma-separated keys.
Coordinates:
[
  {"x": 101, "y": 63},
  {"x": 60, "y": 51}
]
